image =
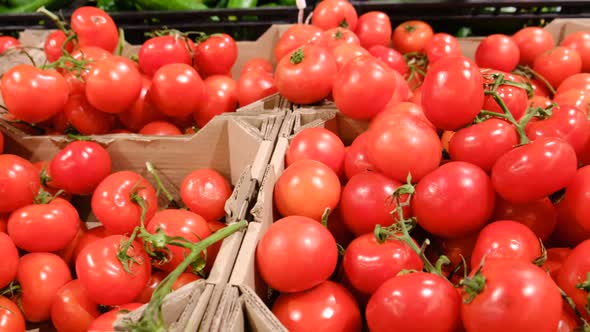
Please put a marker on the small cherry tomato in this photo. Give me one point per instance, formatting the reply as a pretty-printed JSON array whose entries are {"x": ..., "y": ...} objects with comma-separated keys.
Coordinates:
[
  {"x": 7, "y": 42},
  {"x": 54, "y": 44}
]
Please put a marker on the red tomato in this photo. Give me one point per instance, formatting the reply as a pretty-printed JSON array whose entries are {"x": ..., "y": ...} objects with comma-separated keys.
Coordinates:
[
  {"x": 515, "y": 98},
  {"x": 86, "y": 119},
  {"x": 80, "y": 167},
  {"x": 103, "y": 276},
  {"x": 220, "y": 97},
  {"x": 255, "y": 85},
  {"x": 160, "y": 128},
  {"x": 532, "y": 42},
  {"x": 307, "y": 310},
  {"x": 67, "y": 253},
  {"x": 296, "y": 36},
  {"x": 7, "y": 42},
  {"x": 452, "y": 93},
  {"x": 507, "y": 303},
  {"x": 391, "y": 57},
  {"x": 106, "y": 321},
  {"x": 24, "y": 83},
  {"x": 363, "y": 87},
  {"x": 539, "y": 88},
  {"x": 184, "y": 279},
  {"x": 568, "y": 232},
  {"x": 408, "y": 147},
  {"x": 9, "y": 261},
  {"x": 578, "y": 98},
  {"x": 318, "y": 144},
  {"x": 580, "y": 42},
  {"x": 393, "y": 113},
  {"x": 40, "y": 276},
  {"x": 54, "y": 44},
  {"x": 483, "y": 143},
  {"x": 305, "y": 75},
  {"x": 19, "y": 182},
  {"x": 576, "y": 198},
  {"x": 374, "y": 28},
  {"x": 1, "y": 143},
  {"x": 344, "y": 53},
  {"x": 555, "y": 259},
  {"x": 455, "y": 249},
  {"x": 113, "y": 201},
  {"x": 339, "y": 36},
  {"x": 159, "y": 51},
  {"x": 11, "y": 318},
  {"x": 412, "y": 36},
  {"x": 442, "y": 45},
  {"x": 294, "y": 244},
  {"x": 414, "y": 302},
  {"x": 355, "y": 157},
  {"x": 402, "y": 92},
  {"x": 498, "y": 52},
  {"x": 454, "y": 200},
  {"x": 568, "y": 321},
  {"x": 539, "y": 215},
  {"x": 216, "y": 55},
  {"x": 336, "y": 226},
  {"x": 366, "y": 201},
  {"x": 538, "y": 101},
  {"x": 205, "y": 192},
  {"x": 368, "y": 263},
  {"x": 142, "y": 112},
  {"x": 88, "y": 237},
  {"x": 146, "y": 294},
  {"x": 535, "y": 170},
  {"x": 94, "y": 27},
  {"x": 575, "y": 82},
  {"x": 72, "y": 310},
  {"x": 255, "y": 64},
  {"x": 334, "y": 13},
  {"x": 574, "y": 271},
  {"x": 558, "y": 64},
  {"x": 177, "y": 90},
  {"x": 91, "y": 54}
]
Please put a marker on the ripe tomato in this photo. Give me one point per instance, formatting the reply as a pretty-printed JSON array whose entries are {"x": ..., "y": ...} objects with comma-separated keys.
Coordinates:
[
  {"x": 143, "y": 110},
  {"x": 578, "y": 98},
  {"x": 452, "y": 93},
  {"x": 255, "y": 64},
  {"x": 507, "y": 302},
  {"x": 336, "y": 226},
  {"x": 580, "y": 42},
  {"x": 414, "y": 302},
  {"x": 555, "y": 259},
  {"x": 255, "y": 85},
  {"x": 220, "y": 97},
  {"x": 148, "y": 290},
  {"x": 505, "y": 239},
  {"x": 318, "y": 144},
  {"x": 575, "y": 82},
  {"x": 498, "y": 52},
  {"x": 568, "y": 321},
  {"x": 307, "y": 188},
  {"x": 366, "y": 202},
  {"x": 412, "y": 36},
  {"x": 344, "y": 53},
  {"x": 391, "y": 57},
  {"x": 355, "y": 157},
  {"x": 292, "y": 245},
  {"x": 408, "y": 147},
  {"x": 440, "y": 46},
  {"x": 515, "y": 98},
  {"x": 368, "y": 263},
  {"x": 11, "y": 318},
  {"x": 7, "y": 42},
  {"x": 535, "y": 170},
  {"x": 456, "y": 250},
  {"x": 205, "y": 192},
  {"x": 305, "y": 75},
  {"x": 88, "y": 237},
  {"x": 339, "y": 36},
  {"x": 296, "y": 36},
  {"x": 113, "y": 201},
  {"x": 532, "y": 42},
  {"x": 86, "y": 119},
  {"x": 24, "y": 83},
  {"x": 363, "y": 87},
  {"x": 374, "y": 28},
  {"x": 539, "y": 215},
  {"x": 94, "y": 27},
  {"x": 454, "y": 200},
  {"x": 67, "y": 252},
  {"x": 334, "y": 13},
  {"x": 216, "y": 55},
  {"x": 40, "y": 276},
  {"x": 558, "y": 64},
  {"x": 305, "y": 311},
  {"x": 54, "y": 43},
  {"x": 177, "y": 90},
  {"x": 163, "y": 50},
  {"x": 402, "y": 91},
  {"x": 80, "y": 167},
  {"x": 104, "y": 277},
  {"x": 19, "y": 182},
  {"x": 483, "y": 143},
  {"x": 106, "y": 321},
  {"x": 394, "y": 112},
  {"x": 184, "y": 279},
  {"x": 9, "y": 260},
  {"x": 160, "y": 128},
  {"x": 576, "y": 197},
  {"x": 539, "y": 101},
  {"x": 1, "y": 143},
  {"x": 574, "y": 271},
  {"x": 72, "y": 310}
]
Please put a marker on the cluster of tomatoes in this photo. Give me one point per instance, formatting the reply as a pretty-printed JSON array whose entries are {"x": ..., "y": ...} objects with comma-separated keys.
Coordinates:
[
  {"x": 173, "y": 85},
  {"x": 55, "y": 268},
  {"x": 464, "y": 206}
]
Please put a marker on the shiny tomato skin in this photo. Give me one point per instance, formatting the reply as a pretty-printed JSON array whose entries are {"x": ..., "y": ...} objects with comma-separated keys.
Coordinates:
[
  {"x": 558, "y": 64},
  {"x": 106, "y": 321},
  {"x": 540, "y": 101},
  {"x": 440, "y": 46},
  {"x": 7, "y": 42},
  {"x": 568, "y": 321},
  {"x": 162, "y": 50},
  {"x": 363, "y": 87},
  {"x": 568, "y": 231},
  {"x": 339, "y": 36},
  {"x": 391, "y": 57},
  {"x": 532, "y": 42},
  {"x": 103, "y": 276},
  {"x": 94, "y": 27},
  {"x": 318, "y": 144},
  {"x": 9, "y": 265},
  {"x": 580, "y": 42},
  {"x": 411, "y": 36},
  {"x": 40, "y": 276},
  {"x": 577, "y": 98},
  {"x": 539, "y": 215},
  {"x": 305, "y": 311},
  {"x": 216, "y": 55},
  {"x": 220, "y": 97},
  {"x": 533, "y": 171},
  {"x": 112, "y": 204},
  {"x": 368, "y": 263},
  {"x": 454, "y": 200},
  {"x": 307, "y": 188},
  {"x": 149, "y": 288},
  {"x": 555, "y": 259},
  {"x": 160, "y": 128},
  {"x": 296, "y": 36},
  {"x": 256, "y": 64},
  {"x": 86, "y": 119},
  {"x": 394, "y": 112},
  {"x": 498, "y": 52},
  {"x": 414, "y": 302},
  {"x": 72, "y": 310},
  {"x": 67, "y": 252},
  {"x": 80, "y": 167},
  {"x": 575, "y": 82},
  {"x": 334, "y": 13},
  {"x": 374, "y": 28},
  {"x": 53, "y": 45},
  {"x": 576, "y": 198},
  {"x": 355, "y": 157},
  {"x": 507, "y": 302},
  {"x": 177, "y": 89},
  {"x": 573, "y": 272},
  {"x": 294, "y": 244},
  {"x": 22, "y": 84},
  {"x": 11, "y": 318},
  {"x": 452, "y": 93},
  {"x": 205, "y": 192},
  {"x": 255, "y": 85},
  {"x": 19, "y": 182},
  {"x": 516, "y": 100},
  {"x": 344, "y": 53},
  {"x": 142, "y": 111},
  {"x": 88, "y": 237}
]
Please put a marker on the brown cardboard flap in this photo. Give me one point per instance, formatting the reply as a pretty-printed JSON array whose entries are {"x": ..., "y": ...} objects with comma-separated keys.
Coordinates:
[
  {"x": 229, "y": 316},
  {"x": 259, "y": 316}
]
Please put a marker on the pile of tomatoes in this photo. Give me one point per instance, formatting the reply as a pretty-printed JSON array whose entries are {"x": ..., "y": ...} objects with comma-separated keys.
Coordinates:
[
  {"x": 55, "y": 268},
  {"x": 465, "y": 206}
]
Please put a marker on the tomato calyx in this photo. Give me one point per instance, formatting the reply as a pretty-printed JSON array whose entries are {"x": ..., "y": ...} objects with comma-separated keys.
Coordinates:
[
  {"x": 344, "y": 24},
  {"x": 473, "y": 286},
  {"x": 417, "y": 62},
  {"x": 297, "y": 56},
  {"x": 13, "y": 289},
  {"x": 409, "y": 28},
  {"x": 539, "y": 261},
  {"x": 338, "y": 35}
]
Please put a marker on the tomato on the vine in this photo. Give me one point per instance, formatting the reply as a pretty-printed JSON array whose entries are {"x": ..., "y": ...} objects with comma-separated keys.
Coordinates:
[
  {"x": 558, "y": 64},
  {"x": 19, "y": 182},
  {"x": 86, "y": 119},
  {"x": 539, "y": 215},
  {"x": 412, "y": 36},
  {"x": 216, "y": 55},
  {"x": 72, "y": 309},
  {"x": 555, "y": 259},
  {"x": 391, "y": 57},
  {"x": 177, "y": 90},
  {"x": 532, "y": 41},
  {"x": 7, "y": 43},
  {"x": 575, "y": 82},
  {"x": 159, "y": 51},
  {"x": 220, "y": 97},
  {"x": 573, "y": 276},
  {"x": 142, "y": 111},
  {"x": 94, "y": 27},
  {"x": 54, "y": 45},
  {"x": 339, "y": 36},
  {"x": 296, "y": 36},
  {"x": 355, "y": 157}
]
